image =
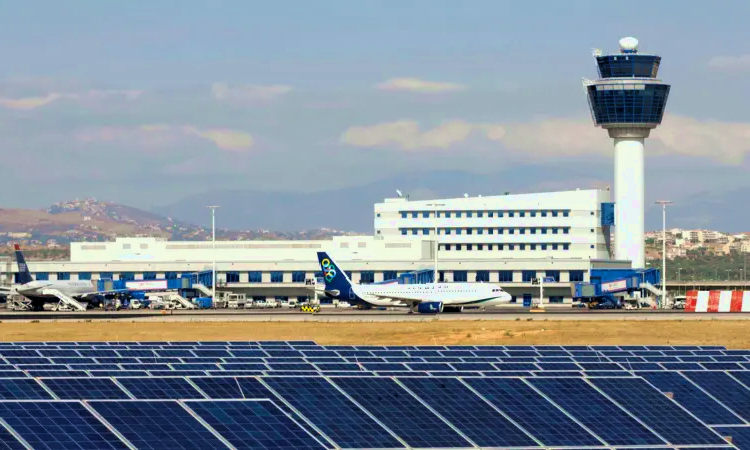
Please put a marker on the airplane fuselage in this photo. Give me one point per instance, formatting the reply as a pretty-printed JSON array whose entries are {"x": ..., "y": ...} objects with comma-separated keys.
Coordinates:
[
  {"x": 450, "y": 294},
  {"x": 36, "y": 289}
]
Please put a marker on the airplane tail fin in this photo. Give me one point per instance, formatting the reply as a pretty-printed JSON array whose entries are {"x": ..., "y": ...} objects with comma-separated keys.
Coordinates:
[
  {"x": 335, "y": 278},
  {"x": 24, "y": 276}
]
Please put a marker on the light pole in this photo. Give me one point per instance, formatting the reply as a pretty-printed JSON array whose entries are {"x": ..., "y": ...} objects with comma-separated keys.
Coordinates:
[
  {"x": 437, "y": 245},
  {"x": 213, "y": 250},
  {"x": 663, "y": 204}
]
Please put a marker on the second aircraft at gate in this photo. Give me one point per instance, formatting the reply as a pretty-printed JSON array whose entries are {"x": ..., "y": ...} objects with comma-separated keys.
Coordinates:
[{"x": 426, "y": 298}]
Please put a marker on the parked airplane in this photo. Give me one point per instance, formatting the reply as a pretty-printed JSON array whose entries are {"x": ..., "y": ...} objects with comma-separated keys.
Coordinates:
[
  {"x": 426, "y": 298},
  {"x": 41, "y": 292}
]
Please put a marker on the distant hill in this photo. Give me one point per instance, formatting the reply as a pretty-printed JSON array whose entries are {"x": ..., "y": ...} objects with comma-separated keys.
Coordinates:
[
  {"x": 94, "y": 220},
  {"x": 351, "y": 208}
]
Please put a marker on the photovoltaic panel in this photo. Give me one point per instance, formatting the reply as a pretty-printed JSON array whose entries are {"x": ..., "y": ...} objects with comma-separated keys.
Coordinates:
[
  {"x": 600, "y": 366},
  {"x": 118, "y": 373},
  {"x": 607, "y": 373},
  {"x": 692, "y": 398},
  {"x": 58, "y": 425},
  {"x": 85, "y": 388},
  {"x": 157, "y": 425},
  {"x": 334, "y": 414},
  {"x": 430, "y": 366},
  {"x": 328, "y": 367},
  {"x": 401, "y": 412},
  {"x": 660, "y": 413},
  {"x": 743, "y": 377},
  {"x": 721, "y": 366},
  {"x": 177, "y": 373},
  {"x": 8, "y": 441},
  {"x": 740, "y": 435},
  {"x": 468, "y": 412},
  {"x": 558, "y": 366},
  {"x": 582, "y": 401},
  {"x": 476, "y": 367},
  {"x": 254, "y": 425},
  {"x": 12, "y": 374},
  {"x": 725, "y": 389},
  {"x": 159, "y": 388},
  {"x": 22, "y": 389}
]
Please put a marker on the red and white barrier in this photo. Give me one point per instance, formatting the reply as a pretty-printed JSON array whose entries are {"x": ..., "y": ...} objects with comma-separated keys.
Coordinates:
[{"x": 717, "y": 301}]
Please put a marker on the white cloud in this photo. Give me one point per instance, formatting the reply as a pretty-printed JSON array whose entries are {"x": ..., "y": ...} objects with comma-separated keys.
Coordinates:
[
  {"x": 724, "y": 142},
  {"x": 222, "y": 91},
  {"x": 29, "y": 102},
  {"x": 224, "y": 139},
  {"x": 36, "y": 102},
  {"x": 739, "y": 63},
  {"x": 158, "y": 136},
  {"x": 417, "y": 85}
]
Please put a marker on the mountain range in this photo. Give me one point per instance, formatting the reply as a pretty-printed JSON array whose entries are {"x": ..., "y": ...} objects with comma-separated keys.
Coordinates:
[{"x": 352, "y": 208}]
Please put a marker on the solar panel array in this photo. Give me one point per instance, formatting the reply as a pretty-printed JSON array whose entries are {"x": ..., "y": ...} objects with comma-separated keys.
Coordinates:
[{"x": 300, "y": 395}]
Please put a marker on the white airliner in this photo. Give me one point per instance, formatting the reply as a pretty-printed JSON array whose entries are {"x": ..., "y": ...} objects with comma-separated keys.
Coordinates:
[
  {"x": 429, "y": 297},
  {"x": 41, "y": 292}
]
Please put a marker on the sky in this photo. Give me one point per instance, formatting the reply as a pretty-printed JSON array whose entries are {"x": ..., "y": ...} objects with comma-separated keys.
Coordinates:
[{"x": 146, "y": 102}]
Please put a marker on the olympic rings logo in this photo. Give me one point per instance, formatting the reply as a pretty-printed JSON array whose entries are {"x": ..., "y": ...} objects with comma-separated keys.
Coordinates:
[{"x": 328, "y": 269}]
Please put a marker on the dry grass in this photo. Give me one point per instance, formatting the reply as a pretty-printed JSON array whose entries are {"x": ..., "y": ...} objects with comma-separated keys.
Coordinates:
[{"x": 732, "y": 334}]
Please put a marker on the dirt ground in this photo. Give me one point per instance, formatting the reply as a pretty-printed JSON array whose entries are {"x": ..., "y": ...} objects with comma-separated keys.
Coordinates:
[{"x": 732, "y": 334}]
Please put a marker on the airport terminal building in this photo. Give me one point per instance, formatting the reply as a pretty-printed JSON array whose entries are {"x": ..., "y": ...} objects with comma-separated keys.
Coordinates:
[{"x": 506, "y": 239}]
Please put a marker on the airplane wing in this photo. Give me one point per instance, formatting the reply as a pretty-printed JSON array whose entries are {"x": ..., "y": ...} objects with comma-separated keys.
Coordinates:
[
  {"x": 400, "y": 299},
  {"x": 112, "y": 291}
]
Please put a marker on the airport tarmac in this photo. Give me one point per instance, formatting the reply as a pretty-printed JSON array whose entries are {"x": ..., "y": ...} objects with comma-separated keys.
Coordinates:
[{"x": 346, "y": 315}]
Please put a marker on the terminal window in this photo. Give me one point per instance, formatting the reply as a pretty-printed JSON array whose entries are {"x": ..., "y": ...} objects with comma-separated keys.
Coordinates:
[
  {"x": 277, "y": 277},
  {"x": 84, "y": 275},
  {"x": 170, "y": 275},
  {"x": 533, "y": 213},
  {"x": 149, "y": 275},
  {"x": 554, "y": 246},
  {"x": 566, "y": 213},
  {"x": 389, "y": 275},
  {"x": 460, "y": 276},
  {"x": 510, "y": 214},
  {"x": 554, "y": 274},
  {"x": 522, "y": 246},
  {"x": 63, "y": 275},
  {"x": 566, "y": 246},
  {"x": 41, "y": 276},
  {"x": 479, "y": 213},
  {"x": 458, "y": 213},
  {"x": 469, "y": 213},
  {"x": 544, "y": 213},
  {"x": 366, "y": 276},
  {"x": 403, "y": 232},
  {"x": 532, "y": 246},
  {"x": 426, "y": 231},
  {"x": 414, "y": 215},
  {"x": 490, "y": 231},
  {"x": 554, "y": 213},
  {"x": 528, "y": 275},
  {"x": 403, "y": 215},
  {"x": 128, "y": 276},
  {"x": 483, "y": 276},
  {"x": 469, "y": 231},
  {"x": 576, "y": 275},
  {"x": 298, "y": 277},
  {"x": 521, "y": 214},
  {"x": 233, "y": 277},
  {"x": 425, "y": 215},
  {"x": 414, "y": 232},
  {"x": 555, "y": 298},
  {"x": 543, "y": 246},
  {"x": 506, "y": 276},
  {"x": 255, "y": 276},
  {"x": 106, "y": 276}
]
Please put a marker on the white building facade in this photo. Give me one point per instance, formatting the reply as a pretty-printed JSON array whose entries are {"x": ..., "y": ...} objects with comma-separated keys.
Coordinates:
[{"x": 508, "y": 240}]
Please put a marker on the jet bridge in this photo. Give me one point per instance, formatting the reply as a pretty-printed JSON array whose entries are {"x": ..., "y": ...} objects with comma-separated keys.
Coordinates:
[{"x": 607, "y": 285}]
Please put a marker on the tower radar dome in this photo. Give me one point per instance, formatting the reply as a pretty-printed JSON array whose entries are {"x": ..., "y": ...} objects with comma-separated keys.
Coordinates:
[{"x": 629, "y": 44}]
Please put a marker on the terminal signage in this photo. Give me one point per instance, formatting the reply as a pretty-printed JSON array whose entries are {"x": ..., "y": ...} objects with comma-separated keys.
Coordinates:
[
  {"x": 145, "y": 285},
  {"x": 614, "y": 286}
]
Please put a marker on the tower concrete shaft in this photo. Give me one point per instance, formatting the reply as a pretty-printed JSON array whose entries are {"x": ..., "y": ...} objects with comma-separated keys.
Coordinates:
[
  {"x": 629, "y": 194},
  {"x": 628, "y": 101}
]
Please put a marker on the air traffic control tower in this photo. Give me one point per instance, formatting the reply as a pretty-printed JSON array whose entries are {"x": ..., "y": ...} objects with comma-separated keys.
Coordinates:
[{"x": 628, "y": 101}]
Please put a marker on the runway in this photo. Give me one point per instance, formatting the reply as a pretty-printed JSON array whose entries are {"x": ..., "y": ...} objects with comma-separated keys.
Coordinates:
[{"x": 333, "y": 315}]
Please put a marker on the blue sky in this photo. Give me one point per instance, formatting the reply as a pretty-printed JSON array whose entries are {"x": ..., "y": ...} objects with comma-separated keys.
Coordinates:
[{"x": 144, "y": 102}]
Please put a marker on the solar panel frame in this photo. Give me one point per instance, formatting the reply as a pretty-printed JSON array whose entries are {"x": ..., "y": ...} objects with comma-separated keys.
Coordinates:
[
  {"x": 84, "y": 388},
  {"x": 176, "y": 427},
  {"x": 66, "y": 425},
  {"x": 333, "y": 413},
  {"x": 460, "y": 406},
  {"x": 545, "y": 421},
  {"x": 160, "y": 388},
  {"x": 254, "y": 424},
  {"x": 397, "y": 410},
  {"x": 581, "y": 400},
  {"x": 725, "y": 389},
  {"x": 665, "y": 417}
]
